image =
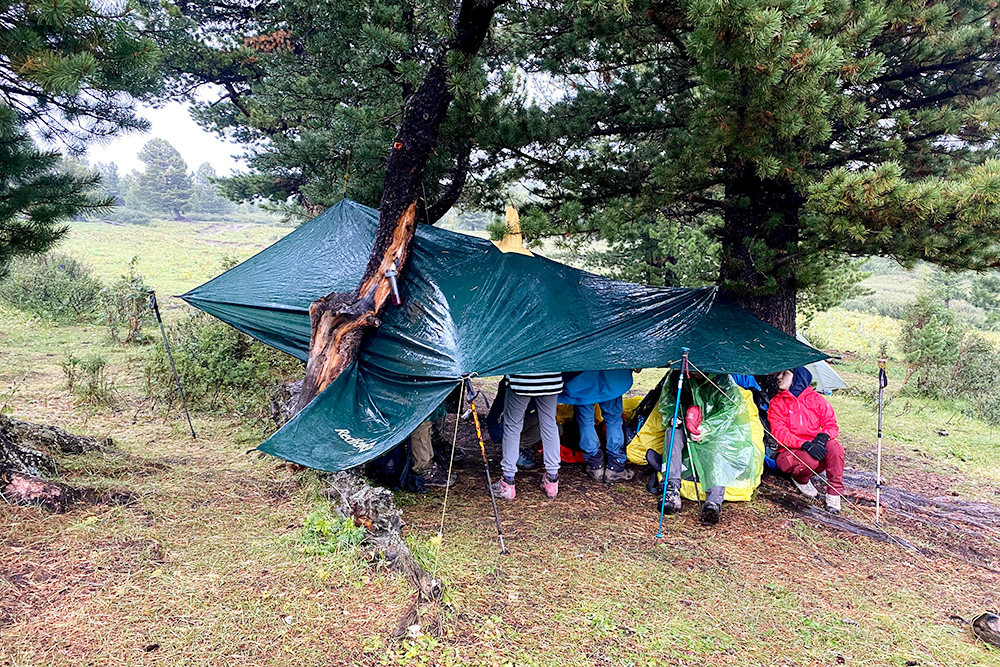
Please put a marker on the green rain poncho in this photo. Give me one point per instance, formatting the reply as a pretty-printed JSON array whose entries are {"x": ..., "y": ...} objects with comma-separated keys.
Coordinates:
[{"x": 731, "y": 452}]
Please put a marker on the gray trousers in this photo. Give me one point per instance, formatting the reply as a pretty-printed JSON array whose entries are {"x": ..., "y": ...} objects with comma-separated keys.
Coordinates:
[
  {"x": 514, "y": 407},
  {"x": 713, "y": 495}
]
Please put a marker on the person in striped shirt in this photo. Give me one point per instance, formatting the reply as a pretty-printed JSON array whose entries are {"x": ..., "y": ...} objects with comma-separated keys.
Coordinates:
[{"x": 544, "y": 388}]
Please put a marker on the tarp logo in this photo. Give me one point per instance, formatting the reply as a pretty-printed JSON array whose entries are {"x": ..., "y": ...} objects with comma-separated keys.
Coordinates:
[{"x": 360, "y": 444}]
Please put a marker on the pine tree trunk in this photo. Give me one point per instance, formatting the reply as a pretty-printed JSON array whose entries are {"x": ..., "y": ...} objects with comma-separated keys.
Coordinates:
[
  {"x": 760, "y": 228},
  {"x": 340, "y": 319}
]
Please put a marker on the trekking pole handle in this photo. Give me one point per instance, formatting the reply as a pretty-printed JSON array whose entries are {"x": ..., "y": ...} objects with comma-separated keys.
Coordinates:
[{"x": 154, "y": 306}]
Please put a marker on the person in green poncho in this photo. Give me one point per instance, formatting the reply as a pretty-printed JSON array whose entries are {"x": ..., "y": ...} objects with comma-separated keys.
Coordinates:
[{"x": 714, "y": 444}]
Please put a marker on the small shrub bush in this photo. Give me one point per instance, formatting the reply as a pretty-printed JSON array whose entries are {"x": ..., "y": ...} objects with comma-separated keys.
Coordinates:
[
  {"x": 950, "y": 362},
  {"x": 219, "y": 367},
  {"x": 129, "y": 216},
  {"x": 931, "y": 339},
  {"x": 126, "y": 306},
  {"x": 52, "y": 286},
  {"x": 324, "y": 534},
  {"x": 87, "y": 377}
]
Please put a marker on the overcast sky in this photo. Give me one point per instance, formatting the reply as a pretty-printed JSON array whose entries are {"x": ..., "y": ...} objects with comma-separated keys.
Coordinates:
[{"x": 174, "y": 124}]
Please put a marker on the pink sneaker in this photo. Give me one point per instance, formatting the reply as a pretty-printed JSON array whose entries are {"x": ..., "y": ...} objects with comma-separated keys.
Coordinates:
[
  {"x": 504, "y": 489},
  {"x": 550, "y": 486}
]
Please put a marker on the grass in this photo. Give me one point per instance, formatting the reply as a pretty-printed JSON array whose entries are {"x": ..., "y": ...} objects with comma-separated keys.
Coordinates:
[{"x": 218, "y": 561}]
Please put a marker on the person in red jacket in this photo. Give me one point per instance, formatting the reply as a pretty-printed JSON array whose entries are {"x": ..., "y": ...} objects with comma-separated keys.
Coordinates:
[{"x": 806, "y": 429}]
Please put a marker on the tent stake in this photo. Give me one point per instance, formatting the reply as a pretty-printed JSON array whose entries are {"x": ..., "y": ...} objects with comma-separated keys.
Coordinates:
[
  {"x": 883, "y": 382},
  {"x": 156, "y": 311},
  {"x": 665, "y": 466},
  {"x": 489, "y": 480}
]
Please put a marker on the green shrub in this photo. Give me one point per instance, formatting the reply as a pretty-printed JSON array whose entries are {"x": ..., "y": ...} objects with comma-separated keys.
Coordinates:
[
  {"x": 129, "y": 216},
  {"x": 88, "y": 379},
  {"x": 324, "y": 534},
  {"x": 126, "y": 306},
  {"x": 53, "y": 286},
  {"x": 219, "y": 367},
  {"x": 877, "y": 304},
  {"x": 931, "y": 339}
]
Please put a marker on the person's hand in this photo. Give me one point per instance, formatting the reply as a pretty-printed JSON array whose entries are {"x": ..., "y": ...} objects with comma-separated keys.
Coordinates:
[
  {"x": 692, "y": 421},
  {"x": 816, "y": 447}
]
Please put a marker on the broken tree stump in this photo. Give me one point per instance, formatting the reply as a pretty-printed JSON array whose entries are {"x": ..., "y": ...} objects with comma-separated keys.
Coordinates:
[
  {"x": 27, "y": 459},
  {"x": 375, "y": 509},
  {"x": 29, "y": 448},
  {"x": 26, "y": 490}
]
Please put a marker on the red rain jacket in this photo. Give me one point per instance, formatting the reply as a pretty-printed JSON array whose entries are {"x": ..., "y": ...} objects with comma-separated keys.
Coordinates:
[{"x": 796, "y": 420}]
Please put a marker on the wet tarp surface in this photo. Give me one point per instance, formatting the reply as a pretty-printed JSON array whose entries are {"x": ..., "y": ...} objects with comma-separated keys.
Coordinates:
[{"x": 468, "y": 309}]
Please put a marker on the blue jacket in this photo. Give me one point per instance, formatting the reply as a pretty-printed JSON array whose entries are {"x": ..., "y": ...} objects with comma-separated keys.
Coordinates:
[{"x": 591, "y": 387}]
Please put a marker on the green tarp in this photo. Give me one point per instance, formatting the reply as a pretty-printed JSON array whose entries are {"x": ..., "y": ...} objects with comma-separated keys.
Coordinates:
[{"x": 468, "y": 309}]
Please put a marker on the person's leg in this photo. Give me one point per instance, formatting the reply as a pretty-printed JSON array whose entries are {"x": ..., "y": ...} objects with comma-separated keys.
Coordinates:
[
  {"x": 421, "y": 451},
  {"x": 616, "y": 470},
  {"x": 801, "y": 467},
  {"x": 835, "y": 467},
  {"x": 680, "y": 439},
  {"x": 798, "y": 464},
  {"x": 549, "y": 432},
  {"x": 712, "y": 507},
  {"x": 584, "y": 415},
  {"x": 589, "y": 442},
  {"x": 513, "y": 419},
  {"x": 612, "y": 411},
  {"x": 715, "y": 495}
]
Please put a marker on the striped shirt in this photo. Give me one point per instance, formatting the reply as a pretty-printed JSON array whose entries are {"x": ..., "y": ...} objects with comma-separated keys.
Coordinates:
[{"x": 536, "y": 384}]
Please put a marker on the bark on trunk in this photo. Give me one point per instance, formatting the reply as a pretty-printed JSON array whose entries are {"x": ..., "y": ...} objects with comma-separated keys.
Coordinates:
[
  {"x": 339, "y": 320},
  {"x": 28, "y": 448},
  {"x": 27, "y": 454},
  {"x": 760, "y": 229}
]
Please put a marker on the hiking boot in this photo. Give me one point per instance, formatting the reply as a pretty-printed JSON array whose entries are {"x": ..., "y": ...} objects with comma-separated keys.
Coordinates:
[
  {"x": 595, "y": 466},
  {"x": 832, "y": 504},
  {"x": 611, "y": 475},
  {"x": 710, "y": 513},
  {"x": 435, "y": 475},
  {"x": 525, "y": 462},
  {"x": 807, "y": 489},
  {"x": 672, "y": 500},
  {"x": 550, "y": 485},
  {"x": 504, "y": 489}
]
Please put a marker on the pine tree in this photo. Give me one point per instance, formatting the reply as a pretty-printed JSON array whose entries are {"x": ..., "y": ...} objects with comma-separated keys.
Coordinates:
[
  {"x": 205, "y": 196},
  {"x": 813, "y": 130},
  {"x": 36, "y": 196},
  {"x": 316, "y": 92},
  {"x": 165, "y": 184},
  {"x": 68, "y": 68}
]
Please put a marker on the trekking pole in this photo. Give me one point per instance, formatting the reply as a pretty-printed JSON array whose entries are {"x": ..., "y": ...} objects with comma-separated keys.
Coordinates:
[
  {"x": 665, "y": 465},
  {"x": 156, "y": 311},
  {"x": 883, "y": 382},
  {"x": 489, "y": 480}
]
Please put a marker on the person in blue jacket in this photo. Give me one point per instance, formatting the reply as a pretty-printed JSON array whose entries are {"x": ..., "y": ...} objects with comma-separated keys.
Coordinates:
[{"x": 605, "y": 389}]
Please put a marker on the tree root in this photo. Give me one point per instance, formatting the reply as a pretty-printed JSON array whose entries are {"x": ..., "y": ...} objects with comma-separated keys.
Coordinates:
[{"x": 375, "y": 509}]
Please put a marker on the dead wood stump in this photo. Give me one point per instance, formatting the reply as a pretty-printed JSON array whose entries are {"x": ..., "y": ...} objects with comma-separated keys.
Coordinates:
[
  {"x": 375, "y": 509},
  {"x": 27, "y": 458}
]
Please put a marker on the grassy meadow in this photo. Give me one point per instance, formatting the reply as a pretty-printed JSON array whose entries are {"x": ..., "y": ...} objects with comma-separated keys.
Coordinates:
[{"x": 226, "y": 557}]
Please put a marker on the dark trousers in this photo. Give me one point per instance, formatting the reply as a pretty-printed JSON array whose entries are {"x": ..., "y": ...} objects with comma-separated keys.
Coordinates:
[{"x": 801, "y": 466}]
